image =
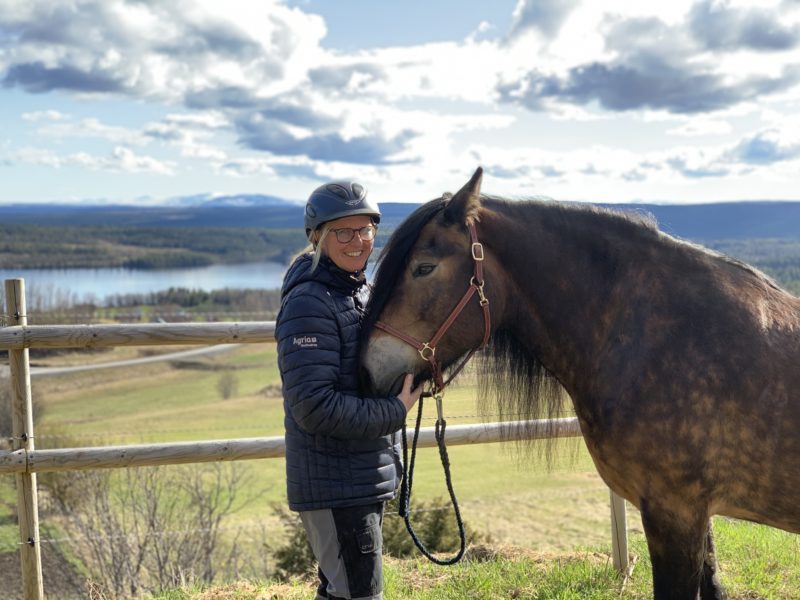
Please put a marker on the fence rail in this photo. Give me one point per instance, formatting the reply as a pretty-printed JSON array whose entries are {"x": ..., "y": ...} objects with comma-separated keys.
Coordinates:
[{"x": 24, "y": 461}]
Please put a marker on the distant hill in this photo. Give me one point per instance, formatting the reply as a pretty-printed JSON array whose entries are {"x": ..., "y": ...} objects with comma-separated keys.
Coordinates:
[
  {"x": 727, "y": 220},
  {"x": 267, "y": 212}
]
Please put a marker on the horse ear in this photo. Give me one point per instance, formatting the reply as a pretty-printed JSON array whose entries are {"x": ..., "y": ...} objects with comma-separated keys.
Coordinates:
[{"x": 463, "y": 207}]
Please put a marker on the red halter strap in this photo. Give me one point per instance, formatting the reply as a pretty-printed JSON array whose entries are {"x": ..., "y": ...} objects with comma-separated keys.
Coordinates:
[{"x": 427, "y": 350}]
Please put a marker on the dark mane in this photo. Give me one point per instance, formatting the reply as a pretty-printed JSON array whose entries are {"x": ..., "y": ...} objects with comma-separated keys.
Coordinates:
[{"x": 393, "y": 258}]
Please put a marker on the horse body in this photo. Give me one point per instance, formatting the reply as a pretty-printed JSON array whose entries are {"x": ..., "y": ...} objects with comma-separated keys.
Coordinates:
[
  {"x": 669, "y": 373},
  {"x": 682, "y": 365}
]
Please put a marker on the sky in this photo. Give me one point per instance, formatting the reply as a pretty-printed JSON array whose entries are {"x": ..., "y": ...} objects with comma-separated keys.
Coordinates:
[{"x": 146, "y": 101}]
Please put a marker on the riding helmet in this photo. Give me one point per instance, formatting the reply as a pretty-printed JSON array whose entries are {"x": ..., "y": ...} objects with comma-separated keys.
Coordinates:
[{"x": 335, "y": 200}]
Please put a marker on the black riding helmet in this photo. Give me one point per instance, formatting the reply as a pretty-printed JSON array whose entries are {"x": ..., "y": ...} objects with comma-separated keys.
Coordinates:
[{"x": 335, "y": 200}]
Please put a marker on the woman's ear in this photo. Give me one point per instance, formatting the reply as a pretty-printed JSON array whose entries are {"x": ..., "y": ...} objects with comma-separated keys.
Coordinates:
[{"x": 463, "y": 207}]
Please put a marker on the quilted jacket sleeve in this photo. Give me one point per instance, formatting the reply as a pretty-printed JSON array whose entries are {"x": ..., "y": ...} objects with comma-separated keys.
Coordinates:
[{"x": 309, "y": 358}]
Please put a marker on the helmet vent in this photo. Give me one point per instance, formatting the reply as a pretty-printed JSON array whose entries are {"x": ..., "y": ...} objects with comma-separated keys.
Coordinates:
[{"x": 338, "y": 190}]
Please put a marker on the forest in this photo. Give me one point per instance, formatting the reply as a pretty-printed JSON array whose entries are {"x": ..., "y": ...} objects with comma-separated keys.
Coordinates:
[
  {"x": 767, "y": 237},
  {"x": 86, "y": 246}
]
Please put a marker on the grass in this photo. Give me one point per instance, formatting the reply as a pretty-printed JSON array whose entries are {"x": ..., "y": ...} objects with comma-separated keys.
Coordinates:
[
  {"x": 555, "y": 514},
  {"x": 513, "y": 497},
  {"x": 582, "y": 574}
]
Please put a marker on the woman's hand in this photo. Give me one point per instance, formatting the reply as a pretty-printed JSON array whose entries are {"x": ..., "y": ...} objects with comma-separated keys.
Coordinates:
[{"x": 408, "y": 396}]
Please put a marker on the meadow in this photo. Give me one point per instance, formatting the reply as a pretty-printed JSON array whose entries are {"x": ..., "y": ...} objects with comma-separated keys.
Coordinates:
[
  {"x": 544, "y": 525},
  {"x": 180, "y": 401}
]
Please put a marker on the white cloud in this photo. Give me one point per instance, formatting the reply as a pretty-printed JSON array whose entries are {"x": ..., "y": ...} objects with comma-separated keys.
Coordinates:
[
  {"x": 248, "y": 90},
  {"x": 93, "y": 128},
  {"x": 43, "y": 115},
  {"x": 701, "y": 127},
  {"x": 119, "y": 160}
]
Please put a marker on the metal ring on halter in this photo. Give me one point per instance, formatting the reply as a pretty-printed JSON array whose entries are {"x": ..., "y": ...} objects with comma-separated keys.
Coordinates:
[
  {"x": 477, "y": 251},
  {"x": 479, "y": 288},
  {"x": 421, "y": 351}
]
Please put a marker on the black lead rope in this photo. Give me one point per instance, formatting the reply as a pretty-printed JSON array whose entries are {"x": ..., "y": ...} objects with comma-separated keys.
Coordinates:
[{"x": 408, "y": 481}]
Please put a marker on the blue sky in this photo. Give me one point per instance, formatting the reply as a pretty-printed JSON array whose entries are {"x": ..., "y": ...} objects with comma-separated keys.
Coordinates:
[{"x": 600, "y": 101}]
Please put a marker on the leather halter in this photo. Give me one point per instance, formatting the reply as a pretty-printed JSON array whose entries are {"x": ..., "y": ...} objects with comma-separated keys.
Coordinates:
[{"x": 427, "y": 350}]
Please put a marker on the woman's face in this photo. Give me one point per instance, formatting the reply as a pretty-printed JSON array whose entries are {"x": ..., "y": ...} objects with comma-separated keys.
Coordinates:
[{"x": 350, "y": 256}]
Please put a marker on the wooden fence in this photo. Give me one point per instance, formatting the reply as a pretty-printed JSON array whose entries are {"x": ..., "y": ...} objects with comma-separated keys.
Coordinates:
[{"x": 24, "y": 461}]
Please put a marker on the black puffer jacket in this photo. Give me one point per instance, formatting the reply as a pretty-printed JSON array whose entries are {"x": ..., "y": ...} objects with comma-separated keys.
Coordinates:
[{"x": 341, "y": 449}]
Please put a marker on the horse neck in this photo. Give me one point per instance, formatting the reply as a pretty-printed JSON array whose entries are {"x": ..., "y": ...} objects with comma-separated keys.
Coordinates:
[{"x": 562, "y": 271}]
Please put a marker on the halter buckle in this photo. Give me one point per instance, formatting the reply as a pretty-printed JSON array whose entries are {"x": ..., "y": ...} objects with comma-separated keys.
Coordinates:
[
  {"x": 425, "y": 347},
  {"x": 477, "y": 251}
]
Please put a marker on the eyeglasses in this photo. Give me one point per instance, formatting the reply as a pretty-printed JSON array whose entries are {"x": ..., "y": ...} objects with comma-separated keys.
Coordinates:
[{"x": 346, "y": 234}]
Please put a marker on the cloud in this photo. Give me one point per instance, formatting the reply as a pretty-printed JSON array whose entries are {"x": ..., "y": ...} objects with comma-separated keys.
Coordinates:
[
  {"x": 764, "y": 148},
  {"x": 225, "y": 97},
  {"x": 719, "y": 26},
  {"x": 622, "y": 87},
  {"x": 38, "y": 78},
  {"x": 542, "y": 16},
  {"x": 243, "y": 167},
  {"x": 682, "y": 166},
  {"x": 649, "y": 64},
  {"x": 43, "y": 115},
  {"x": 700, "y": 126},
  {"x": 349, "y": 79},
  {"x": 92, "y": 128},
  {"x": 259, "y": 133},
  {"x": 154, "y": 49},
  {"x": 251, "y": 91},
  {"x": 119, "y": 160}
]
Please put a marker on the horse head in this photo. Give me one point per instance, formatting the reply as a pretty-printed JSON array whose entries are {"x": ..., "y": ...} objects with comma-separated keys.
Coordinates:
[{"x": 422, "y": 313}]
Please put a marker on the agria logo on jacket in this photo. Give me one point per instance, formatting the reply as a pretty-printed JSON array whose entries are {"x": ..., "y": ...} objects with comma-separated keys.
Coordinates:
[{"x": 306, "y": 341}]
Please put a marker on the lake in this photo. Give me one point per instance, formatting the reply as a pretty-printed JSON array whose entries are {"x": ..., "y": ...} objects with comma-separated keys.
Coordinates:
[{"x": 94, "y": 285}]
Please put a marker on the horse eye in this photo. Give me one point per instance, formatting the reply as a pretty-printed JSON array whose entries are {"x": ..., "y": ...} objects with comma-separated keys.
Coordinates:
[{"x": 424, "y": 269}]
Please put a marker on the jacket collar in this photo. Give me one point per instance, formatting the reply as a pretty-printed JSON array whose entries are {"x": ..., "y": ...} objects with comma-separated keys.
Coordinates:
[{"x": 326, "y": 273}]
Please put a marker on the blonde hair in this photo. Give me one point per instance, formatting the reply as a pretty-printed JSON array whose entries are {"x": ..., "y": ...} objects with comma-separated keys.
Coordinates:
[{"x": 316, "y": 245}]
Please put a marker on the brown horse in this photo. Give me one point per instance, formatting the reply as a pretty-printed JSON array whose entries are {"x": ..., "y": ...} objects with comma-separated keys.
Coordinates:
[{"x": 683, "y": 366}]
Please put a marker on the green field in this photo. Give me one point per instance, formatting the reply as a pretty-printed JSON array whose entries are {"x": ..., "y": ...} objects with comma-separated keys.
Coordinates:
[{"x": 512, "y": 497}]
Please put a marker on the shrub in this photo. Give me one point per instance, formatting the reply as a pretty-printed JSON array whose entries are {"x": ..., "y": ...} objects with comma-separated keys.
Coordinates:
[{"x": 434, "y": 524}]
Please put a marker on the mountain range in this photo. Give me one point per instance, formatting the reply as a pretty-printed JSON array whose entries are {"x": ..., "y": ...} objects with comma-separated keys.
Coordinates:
[{"x": 725, "y": 220}]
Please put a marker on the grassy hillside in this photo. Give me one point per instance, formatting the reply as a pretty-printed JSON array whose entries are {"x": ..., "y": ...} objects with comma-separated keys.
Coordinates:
[{"x": 755, "y": 562}]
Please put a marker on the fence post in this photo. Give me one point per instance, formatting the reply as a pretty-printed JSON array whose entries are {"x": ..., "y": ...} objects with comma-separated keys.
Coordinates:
[
  {"x": 619, "y": 533},
  {"x": 22, "y": 439}
]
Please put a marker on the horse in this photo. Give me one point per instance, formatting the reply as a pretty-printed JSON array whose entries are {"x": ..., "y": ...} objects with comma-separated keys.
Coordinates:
[{"x": 682, "y": 365}]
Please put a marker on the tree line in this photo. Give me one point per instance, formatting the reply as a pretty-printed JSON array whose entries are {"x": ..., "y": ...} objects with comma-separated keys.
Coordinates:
[{"x": 63, "y": 247}]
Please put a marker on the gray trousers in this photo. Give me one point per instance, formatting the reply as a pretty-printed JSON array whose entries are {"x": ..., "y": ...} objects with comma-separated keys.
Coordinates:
[{"x": 347, "y": 544}]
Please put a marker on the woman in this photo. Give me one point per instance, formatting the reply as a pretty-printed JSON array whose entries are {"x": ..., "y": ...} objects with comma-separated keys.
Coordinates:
[{"x": 342, "y": 449}]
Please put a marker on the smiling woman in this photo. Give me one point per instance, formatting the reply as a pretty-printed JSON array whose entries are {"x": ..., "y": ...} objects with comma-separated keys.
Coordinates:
[{"x": 342, "y": 449}]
